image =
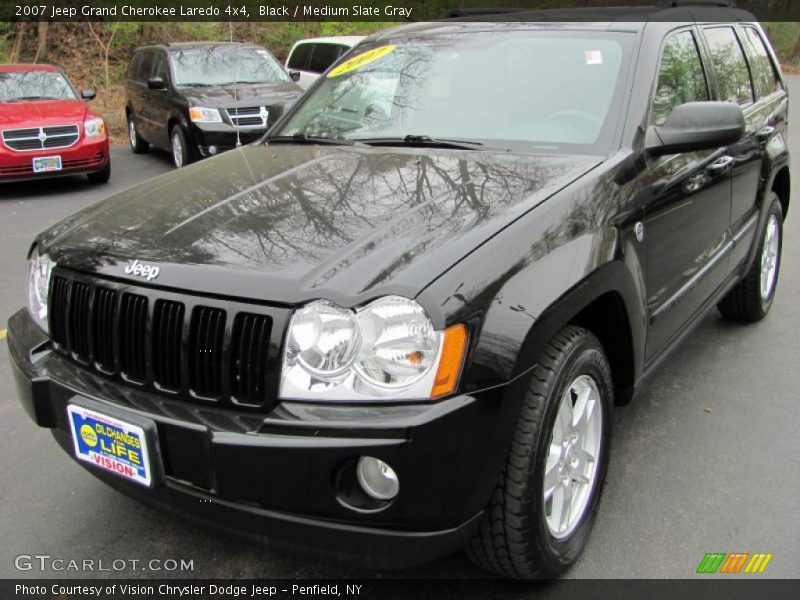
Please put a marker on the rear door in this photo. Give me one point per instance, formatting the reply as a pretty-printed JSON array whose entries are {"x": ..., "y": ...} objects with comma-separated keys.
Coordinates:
[
  {"x": 765, "y": 138},
  {"x": 687, "y": 204}
]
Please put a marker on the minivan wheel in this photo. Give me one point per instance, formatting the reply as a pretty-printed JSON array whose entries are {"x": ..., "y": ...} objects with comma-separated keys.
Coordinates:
[
  {"x": 752, "y": 297},
  {"x": 138, "y": 145},
  {"x": 181, "y": 150},
  {"x": 542, "y": 510}
]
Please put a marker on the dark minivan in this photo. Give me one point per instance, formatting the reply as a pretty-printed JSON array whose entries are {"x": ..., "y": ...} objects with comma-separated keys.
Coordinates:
[
  {"x": 402, "y": 322},
  {"x": 201, "y": 98}
]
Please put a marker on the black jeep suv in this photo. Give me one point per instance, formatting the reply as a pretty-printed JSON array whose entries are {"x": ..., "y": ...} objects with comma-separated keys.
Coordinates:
[
  {"x": 202, "y": 98},
  {"x": 401, "y": 323}
]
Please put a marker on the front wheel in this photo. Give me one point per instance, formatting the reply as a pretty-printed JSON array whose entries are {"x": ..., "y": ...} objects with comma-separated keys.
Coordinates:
[
  {"x": 752, "y": 297},
  {"x": 541, "y": 512},
  {"x": 182, "y": 152},
  {"x": 138, "y": 145}
]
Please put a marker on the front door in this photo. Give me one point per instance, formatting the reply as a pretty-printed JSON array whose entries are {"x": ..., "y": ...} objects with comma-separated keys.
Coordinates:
[{"x": 687, "y": 206}]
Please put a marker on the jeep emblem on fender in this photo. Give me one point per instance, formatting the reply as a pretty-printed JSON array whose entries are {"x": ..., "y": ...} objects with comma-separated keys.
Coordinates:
[{"x": 138, "y": 269}]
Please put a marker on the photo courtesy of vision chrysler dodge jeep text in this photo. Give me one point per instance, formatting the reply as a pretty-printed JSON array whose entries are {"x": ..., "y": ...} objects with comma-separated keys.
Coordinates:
[{"x": 400, "y": 324}]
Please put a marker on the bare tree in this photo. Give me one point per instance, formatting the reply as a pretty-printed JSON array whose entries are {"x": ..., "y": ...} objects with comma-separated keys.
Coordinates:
[
  {"x": 104, "y": 45},
  {"x": 41, "y": 47},
  {"x": 22, "y": 26}
]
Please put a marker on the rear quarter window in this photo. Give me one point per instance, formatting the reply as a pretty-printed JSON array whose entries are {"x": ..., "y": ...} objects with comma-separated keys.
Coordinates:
[
  {"x": 765, "y": 79},
  {"x": 730, "y": 66}
]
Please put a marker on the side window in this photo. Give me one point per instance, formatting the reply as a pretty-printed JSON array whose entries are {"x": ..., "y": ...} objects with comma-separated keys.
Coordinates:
[
  {"x": 681, "y": 77},
  {"x": 159, "y": 67},
  {"x": 144, "y": 67},
  {"x": 730, "y": 66},
  {"x": 133, "y": 68},
  {"x": 764, "y": 78},
  {"x": 324, "y": 56},
  {"x": 299, "y": 58}
]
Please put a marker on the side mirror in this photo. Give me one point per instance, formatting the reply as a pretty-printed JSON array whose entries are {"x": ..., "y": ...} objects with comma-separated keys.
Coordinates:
[
  {"x": 696, "y": 126},
  {"x": 88, "y": 94},
  {"x": 156, "y": 83},
  {"x": 295, "y": 75}
]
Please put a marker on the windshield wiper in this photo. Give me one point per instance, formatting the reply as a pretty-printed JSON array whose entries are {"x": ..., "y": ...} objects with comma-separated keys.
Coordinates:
[
  {"x": 24, "y": 98},
  {"x": 422, "y": 140},
  {"x": 302, "y": 138},
  {"x": 197, "y": 84}
]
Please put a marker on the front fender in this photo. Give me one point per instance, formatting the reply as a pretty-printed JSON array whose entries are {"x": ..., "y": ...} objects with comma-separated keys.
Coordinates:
[{"x": 518, "y": 289}]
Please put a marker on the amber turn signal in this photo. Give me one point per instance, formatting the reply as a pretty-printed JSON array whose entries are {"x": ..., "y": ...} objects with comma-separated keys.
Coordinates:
[{"x": 453, "y": 350}]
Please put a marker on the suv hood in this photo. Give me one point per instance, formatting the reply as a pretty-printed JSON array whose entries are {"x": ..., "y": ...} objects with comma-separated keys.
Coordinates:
[
  {"x": 289, "y": 223},
  {"x": 244, "y": 94},
  {"x": 37, "y": 113}
]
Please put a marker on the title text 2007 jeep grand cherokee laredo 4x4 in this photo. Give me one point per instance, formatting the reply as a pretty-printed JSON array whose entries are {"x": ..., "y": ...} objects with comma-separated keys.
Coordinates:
[{"x": 401, "y": 323}]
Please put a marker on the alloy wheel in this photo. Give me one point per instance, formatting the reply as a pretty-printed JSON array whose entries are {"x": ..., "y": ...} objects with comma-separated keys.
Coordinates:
[
  {"x": 572, "y": 458},
  {"x": 769, "y": 257}
]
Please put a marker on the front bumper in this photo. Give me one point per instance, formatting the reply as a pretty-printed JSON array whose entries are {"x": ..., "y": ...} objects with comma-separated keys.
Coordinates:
[
  {"x": 221, "y": 136},
  {"x": 87, "y": 156},
  {"x": 275, "y": 479}
]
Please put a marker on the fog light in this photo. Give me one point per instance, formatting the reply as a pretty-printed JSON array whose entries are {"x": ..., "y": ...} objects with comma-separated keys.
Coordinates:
[
  {"x": 212, "y": 150},
  {"x": 377, "y": 478}
]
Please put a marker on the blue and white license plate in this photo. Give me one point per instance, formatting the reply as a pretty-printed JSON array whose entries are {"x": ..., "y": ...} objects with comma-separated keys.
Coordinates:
[
  {"x": 110, "y": 444},
  {"x": 45, "y": 164}
]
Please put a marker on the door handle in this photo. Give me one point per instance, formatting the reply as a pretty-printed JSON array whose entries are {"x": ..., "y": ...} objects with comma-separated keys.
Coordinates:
[
  {"x": 721, "y": 164},
  {"x": 765, "y": 132}
]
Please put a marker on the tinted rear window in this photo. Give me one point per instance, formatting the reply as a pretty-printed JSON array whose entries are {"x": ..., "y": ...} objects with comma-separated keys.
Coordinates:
[{"x": 764, "y": 77}]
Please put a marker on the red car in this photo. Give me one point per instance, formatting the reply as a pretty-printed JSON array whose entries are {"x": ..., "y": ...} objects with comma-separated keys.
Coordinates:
[{"x": 46, "y": 128}]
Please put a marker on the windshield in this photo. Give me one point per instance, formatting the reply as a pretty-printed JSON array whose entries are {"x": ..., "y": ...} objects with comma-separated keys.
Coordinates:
[
  {"x": 224, "y": 65},
  {"x": 34, "y": 85},
  {"x": 521, "y": 89}
]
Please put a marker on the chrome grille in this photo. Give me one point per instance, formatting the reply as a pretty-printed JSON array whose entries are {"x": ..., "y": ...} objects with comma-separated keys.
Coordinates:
[
  {"x": 248, "y": 116},
  {"x": 41, "y": 138}
]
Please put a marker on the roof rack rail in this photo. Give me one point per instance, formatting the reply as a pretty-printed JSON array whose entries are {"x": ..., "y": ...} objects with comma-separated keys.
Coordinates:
[
  {"x": 457, "y": 13},
  {"x": 678, "y": 3}
]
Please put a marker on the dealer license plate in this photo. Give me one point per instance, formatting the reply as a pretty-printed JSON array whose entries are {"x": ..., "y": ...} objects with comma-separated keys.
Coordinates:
[
  {"x": 110, "y": 444},
  {"x": 44, "y": 164}
]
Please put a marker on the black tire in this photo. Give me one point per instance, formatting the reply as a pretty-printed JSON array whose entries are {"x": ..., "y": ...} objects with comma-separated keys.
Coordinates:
[
  {"x": 100, "y": 176},
  {"x": 746, "y": 302},
  {"x": 138, "y": 145},
  {"x": 514, "y": 539},
  {"x": 189, "y": 151}
]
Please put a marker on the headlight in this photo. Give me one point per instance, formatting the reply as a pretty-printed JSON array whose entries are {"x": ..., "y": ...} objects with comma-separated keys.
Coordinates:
[
  {"x": 400, "y": 344},
  {"x": 387, "y": 350},
  {"x": 199, "y": 114},
  {"x": 322, "y": 339},
  {"x": 94, "y": 127},
  {"x": 39, "y": 270}
]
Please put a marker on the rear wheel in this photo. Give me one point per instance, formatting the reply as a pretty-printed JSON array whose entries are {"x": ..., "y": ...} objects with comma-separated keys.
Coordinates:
[
  {"x": 101, "y": 176},
  {"x": 752, "y": 297},
  {"x": 541, "y": 512},
  {"x": 138, "y": 145}
]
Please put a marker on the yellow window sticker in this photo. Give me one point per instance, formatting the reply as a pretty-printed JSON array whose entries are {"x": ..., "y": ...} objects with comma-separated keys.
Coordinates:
[{"x": 362, "y": 59}]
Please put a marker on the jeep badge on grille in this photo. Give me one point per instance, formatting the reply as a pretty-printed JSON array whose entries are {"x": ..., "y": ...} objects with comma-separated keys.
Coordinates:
[{"x": 138, "y": 269}]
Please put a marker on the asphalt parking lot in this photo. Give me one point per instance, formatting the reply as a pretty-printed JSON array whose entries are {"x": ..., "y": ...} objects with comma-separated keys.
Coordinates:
[{"x": 705, "y": 459}]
